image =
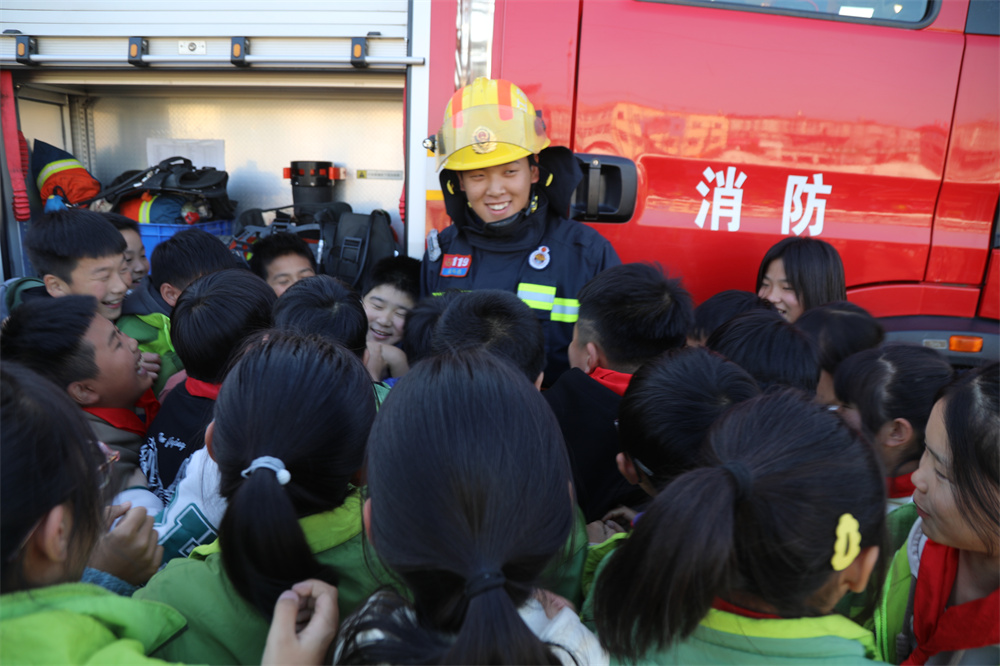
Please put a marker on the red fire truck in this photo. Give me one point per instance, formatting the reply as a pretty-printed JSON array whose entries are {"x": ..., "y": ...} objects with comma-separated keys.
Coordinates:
[
  {"x": 872, "y": 125},
  {"x": 707, "y": 130}
]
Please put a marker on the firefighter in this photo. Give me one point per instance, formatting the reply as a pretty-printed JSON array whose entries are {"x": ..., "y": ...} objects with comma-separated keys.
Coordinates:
[{"x": 508, "y": 194}]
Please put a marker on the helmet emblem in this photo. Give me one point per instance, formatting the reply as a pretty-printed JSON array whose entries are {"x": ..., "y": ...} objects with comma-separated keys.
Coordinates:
[{"x": 483, "y": 140}]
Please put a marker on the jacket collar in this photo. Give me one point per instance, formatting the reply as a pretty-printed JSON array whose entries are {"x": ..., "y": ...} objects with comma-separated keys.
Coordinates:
[
  {"x": 832, "y": 626},
  {"x": 323, "y": 530},
  {"x": 145, "y": 300}
]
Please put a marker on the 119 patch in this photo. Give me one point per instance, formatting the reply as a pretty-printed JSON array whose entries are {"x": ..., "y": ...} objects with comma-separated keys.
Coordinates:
[{"x": 456, "y": 265}]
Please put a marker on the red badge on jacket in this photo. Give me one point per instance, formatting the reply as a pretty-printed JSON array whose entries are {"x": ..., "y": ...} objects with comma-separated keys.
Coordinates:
[{"x": 455, "y": 265}]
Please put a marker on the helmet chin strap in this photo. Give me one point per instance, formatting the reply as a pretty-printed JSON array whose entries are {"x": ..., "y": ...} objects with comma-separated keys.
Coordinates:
[{"x": 509, "y": 225}]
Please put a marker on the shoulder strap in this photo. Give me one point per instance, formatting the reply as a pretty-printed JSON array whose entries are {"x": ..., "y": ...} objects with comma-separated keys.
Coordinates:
[{"x": 348, "y": 253}]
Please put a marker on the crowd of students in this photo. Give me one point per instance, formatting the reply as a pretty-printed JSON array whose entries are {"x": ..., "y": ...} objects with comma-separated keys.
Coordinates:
[{"x": 272, "y": 468}]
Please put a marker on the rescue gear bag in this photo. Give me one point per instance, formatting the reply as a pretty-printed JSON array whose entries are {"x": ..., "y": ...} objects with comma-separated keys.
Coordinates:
[
  {"x": 176, "y": 175},
  {"x": 354, "y": 243},
  {"x": 345, "y": 244}
]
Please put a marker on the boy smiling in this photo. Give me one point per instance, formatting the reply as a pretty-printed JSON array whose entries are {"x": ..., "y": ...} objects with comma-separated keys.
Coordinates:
[
  {"x": 80, "y": 252},
  {"x": 390, "y": 294},
  {"x": 99, "y": 367}
]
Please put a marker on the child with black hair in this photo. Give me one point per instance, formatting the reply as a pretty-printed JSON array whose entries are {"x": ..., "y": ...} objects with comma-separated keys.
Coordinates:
[
  {"x": 212, "y": 318},
  {"x": 743, "y": 559},
  {"x": 54, "y": 477},
  {"x": 448, "y": 496},
  {"x": 497, "y": 321},
  {"x": 888, "y": 393},
  {"x": 135, "y": 251},
  {"x": 418, "y": 335},
  {"x": 67, "y": 341},
  {"x": 75, "y": 252},
  {"x": 324, "y": 306},
  {"x": 766, "y": 345},
  {"x": 389, "y": 293},
  {"x": 281, "y": 260},
  {"x": 629, "y": 314},
  {"x": 664, "y": 416},
  {"x": 176, "y": 262},
  {"x": 941, "y": 601},
  {"x": 838, "y": 330},
  {"x": 291, "y": 512},
  {"x": 798, "y": 274},
  {"x": 719, "y": 309}
]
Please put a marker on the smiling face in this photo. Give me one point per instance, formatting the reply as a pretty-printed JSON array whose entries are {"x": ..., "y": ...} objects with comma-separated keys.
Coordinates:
[
  {"x": 120, "y": 379},
  {"x": 386, "y": 308},
  {"x": 935, "y": 495},
  {"x": 135, "y": 256},
  {"x": 106, "y": 279},
  {"x": 286, "y": 270},
  {"x": 776, "y": 288},
  {"x": 498, "y": 192}
]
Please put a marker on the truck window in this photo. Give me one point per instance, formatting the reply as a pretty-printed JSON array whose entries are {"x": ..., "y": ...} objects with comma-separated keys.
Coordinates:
[{"x": 873, "y": 11}]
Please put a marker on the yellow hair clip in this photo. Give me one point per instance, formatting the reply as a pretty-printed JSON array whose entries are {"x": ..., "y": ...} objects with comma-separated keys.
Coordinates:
[{"x": 848, "y": 544}]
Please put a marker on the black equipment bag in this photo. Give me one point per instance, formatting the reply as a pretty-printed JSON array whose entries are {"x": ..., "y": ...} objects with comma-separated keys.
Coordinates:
[
  {"x": 353, "y": 244},
  {"x": 175, "y": 175},
  {"x": 346, "y": 244}
]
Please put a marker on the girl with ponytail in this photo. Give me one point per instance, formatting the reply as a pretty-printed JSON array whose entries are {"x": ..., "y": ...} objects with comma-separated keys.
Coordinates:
[
  {"x": 291, "y": 422},
  {"x": 470, "y": 500},
  {"x": 55, "y": 480},
  {"x": 888, "y": 393},
  {"x": 743, "y": 561}
]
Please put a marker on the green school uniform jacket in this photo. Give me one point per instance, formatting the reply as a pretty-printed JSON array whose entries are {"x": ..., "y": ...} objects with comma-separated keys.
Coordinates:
[
  {"x": 152, "y": 332},
  {"x": 222, "y": 627},
  {"x": 726, "y": 638},
  {"x": 564, "y": 574},
  {"x": 79, "y": 623}
]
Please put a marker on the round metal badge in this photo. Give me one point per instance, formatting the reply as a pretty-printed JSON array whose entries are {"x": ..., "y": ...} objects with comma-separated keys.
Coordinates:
[
  {"x": 483, "y": 140},
  {"x": 540, "y": 258}
]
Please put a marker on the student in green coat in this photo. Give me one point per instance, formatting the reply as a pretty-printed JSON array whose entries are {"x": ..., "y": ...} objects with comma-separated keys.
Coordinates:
[
  {"x": 291, "y": 422},
  {"x": 743, "y": 560},
  {"x": 54, "y": 481}
]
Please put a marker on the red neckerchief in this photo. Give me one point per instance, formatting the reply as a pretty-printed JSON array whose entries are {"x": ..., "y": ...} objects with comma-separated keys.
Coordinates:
[
  {"x": 900, "y": 486},
  {"x": 939, "y": 629},
  {"x": 721, "y": 604},
  {"x": 616, "y": 381},
  {"x": 126, "y": 419},
  {"x": 200, "y": 389}
]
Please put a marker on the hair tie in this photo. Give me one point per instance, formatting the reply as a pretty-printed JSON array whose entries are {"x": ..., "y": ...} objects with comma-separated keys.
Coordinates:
[
  {"x": 271, "y": 463},
  {"x": 848, "y": 543},
  {"x": 742, "y": 477},
  {"x": 483, "y": 582}
]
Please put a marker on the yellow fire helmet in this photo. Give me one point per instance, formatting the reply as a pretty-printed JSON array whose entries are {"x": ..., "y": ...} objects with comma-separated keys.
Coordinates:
[{"x": 487, "y": 123}]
